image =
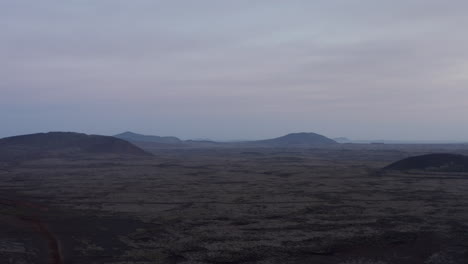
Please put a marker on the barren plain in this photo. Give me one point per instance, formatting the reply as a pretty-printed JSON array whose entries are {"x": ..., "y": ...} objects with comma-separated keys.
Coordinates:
[{"x": 235, "y": 205}]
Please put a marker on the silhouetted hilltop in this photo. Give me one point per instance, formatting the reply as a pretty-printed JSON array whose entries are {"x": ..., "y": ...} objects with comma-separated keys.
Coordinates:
[
  {"x": 134, "y": 137},
  {"x": 150, "y": 143},
  {"x": 432, "y": 162},
  {"x": 59, "y": 144},
  {"x": 298, "y": 139}
]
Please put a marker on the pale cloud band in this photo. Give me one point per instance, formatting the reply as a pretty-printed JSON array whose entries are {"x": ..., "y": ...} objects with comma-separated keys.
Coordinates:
[{"x": 236, "y": 69}]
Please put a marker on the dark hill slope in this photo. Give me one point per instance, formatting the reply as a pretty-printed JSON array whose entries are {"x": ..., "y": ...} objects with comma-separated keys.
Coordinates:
[
  {"x": 64, "y": 143},
  {"x": 298, "y": 139},
  {"x": 432, "y": 162},
  {"x": 134, "y": 137}
]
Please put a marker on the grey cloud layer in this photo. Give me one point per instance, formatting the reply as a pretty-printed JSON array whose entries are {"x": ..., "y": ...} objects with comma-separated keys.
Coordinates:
[{"x": 188, "y": 68}]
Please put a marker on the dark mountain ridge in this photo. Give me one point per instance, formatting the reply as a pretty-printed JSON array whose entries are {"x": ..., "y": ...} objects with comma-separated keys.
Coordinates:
[
  {"x": 291, "y": 140},
  {"x": 134, "y": 137},
  {"x": 298, "y": 139},
  {"x": 438, "y": 162},
  {"x": 59, "y": 144}
]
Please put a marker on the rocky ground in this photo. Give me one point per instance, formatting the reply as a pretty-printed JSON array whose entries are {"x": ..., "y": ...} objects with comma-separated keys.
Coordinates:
[{"x": 234, "y": 206}]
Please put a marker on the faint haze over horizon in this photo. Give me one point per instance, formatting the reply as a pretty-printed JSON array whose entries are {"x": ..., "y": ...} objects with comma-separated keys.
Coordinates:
[{"x": 244, "y": 69}]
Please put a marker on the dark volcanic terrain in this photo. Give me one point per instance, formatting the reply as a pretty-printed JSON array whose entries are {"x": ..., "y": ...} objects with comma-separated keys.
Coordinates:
[{"x": 329, "y": 204}]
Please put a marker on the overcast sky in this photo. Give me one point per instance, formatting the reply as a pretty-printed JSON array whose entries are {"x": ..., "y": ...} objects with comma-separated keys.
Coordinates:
[{"x": 243, "y": 69}]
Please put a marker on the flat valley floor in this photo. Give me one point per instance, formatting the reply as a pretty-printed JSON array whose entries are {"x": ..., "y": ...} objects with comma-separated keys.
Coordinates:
[{"x": 235, "y": 205}]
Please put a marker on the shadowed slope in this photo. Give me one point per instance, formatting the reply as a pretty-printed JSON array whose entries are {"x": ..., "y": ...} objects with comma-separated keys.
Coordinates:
[
  {"x": 432, "y": 162},
  {"x": 64, "y": 143}
]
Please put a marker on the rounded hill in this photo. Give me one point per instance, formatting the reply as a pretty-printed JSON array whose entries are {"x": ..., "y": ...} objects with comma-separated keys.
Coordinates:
[
  {"x": 298, "y": 139},
  {"x": 62, "y": 144},
  {"x": 440, "y": 162}
]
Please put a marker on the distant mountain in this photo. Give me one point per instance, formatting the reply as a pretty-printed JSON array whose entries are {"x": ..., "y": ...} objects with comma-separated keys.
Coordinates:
[
  {"x": 298, "y": 139},
  {"x": 151, "y": 143},
  {"x": 134, "y": 137},
  {"x": 61, "y": 144},
  {"x": 432, "y": 162}
]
